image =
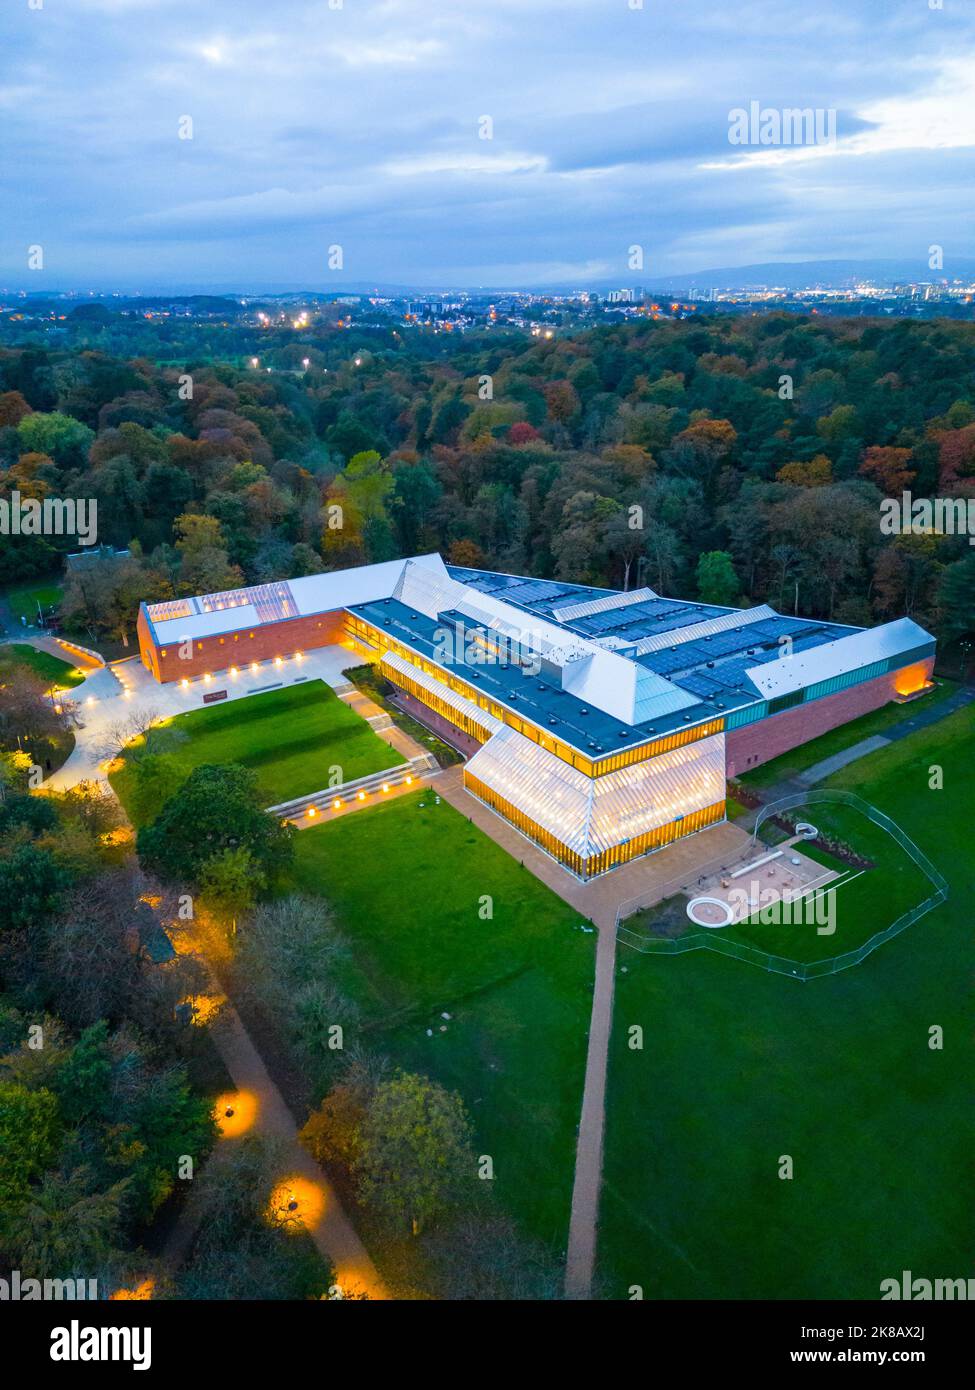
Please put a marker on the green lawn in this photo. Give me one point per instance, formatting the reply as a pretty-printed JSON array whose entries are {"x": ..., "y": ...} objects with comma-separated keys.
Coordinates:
[
  {"x": 740, "y": 1067},
  {"x": 407, "y": 880},
  {"x": 865, "y": 902},
  {"x": 837, "y": 740},
  {"x": 24, "y": 598},
  {"x": 49, "y": 668},
  {"x": 291, "y": 738}
]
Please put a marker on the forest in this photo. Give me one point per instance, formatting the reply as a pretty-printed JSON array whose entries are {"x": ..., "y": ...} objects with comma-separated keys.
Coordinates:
[{"x": 739, "y": 460}]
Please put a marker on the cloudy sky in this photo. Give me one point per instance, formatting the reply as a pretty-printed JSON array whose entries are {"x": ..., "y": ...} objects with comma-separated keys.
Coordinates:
[{"x": 358, "y": 123}]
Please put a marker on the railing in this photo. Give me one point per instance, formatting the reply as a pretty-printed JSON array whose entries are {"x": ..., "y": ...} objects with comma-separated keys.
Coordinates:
[{"x": 710, "y": 940}]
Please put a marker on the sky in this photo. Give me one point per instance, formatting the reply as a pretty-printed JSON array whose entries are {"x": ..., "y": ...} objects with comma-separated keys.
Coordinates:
[{"x": 359, "y": 124}]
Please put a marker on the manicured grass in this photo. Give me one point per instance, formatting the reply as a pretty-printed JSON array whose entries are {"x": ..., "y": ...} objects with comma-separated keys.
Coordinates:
[
  {"x": 24, "y": 598},
  {"x": 49, "y": 668},
  {"x": 409, "y": 881},
  {"x": 291, "y": 738},
  {"x": 740, "y": 1067},
  {"x": 837, "y": 740},
  {"x": 864, "y": 903}
]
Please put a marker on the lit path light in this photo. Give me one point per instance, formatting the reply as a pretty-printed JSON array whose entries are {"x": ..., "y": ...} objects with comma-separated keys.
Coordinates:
[
  {"x": 235, "y": 1113},
  {"x": 311, "y": 812},
  {"x": 142, "y": 1292},
  {"x": 296, "y": 1204}
]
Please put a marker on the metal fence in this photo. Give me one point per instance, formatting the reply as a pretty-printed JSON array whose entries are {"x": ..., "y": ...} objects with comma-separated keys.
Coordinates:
[{"x": 799, "y": 970}]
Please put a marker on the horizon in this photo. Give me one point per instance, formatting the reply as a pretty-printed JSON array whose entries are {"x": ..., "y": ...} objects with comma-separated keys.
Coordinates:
[{"x": 446, "y": 149}]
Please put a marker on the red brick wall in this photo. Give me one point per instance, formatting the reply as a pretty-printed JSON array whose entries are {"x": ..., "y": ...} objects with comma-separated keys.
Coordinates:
[
  {"x": 754, "y": 744},
  {"x": 215, "y": 654}
]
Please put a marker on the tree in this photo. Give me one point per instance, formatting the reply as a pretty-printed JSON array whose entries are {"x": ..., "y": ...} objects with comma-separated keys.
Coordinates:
[
  {"x": 331, "y": 1133},
  {"x": 237, "y": 1252},
  {"x": 956, "y": 599},
  {"x": 815, "y": 472},
  {"x": 32, "y": 887},
  {"x": 61, "y": 436},
  {"x": 717, "y": 581},
  {"x": 29, "y": 717},
  {"x": 230, "y": 883},
  {"x": 217, "y": 808},
  {"x": 67, "y": 1225},
  {"x": 205, "y": 566},
  {"x": 30, "y": 1137},
  {"x": 888, "y": 468},
  {"x": 415, "y": 1158}
]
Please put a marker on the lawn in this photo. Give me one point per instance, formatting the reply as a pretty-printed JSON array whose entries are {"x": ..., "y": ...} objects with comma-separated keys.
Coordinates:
[
  {"x": 49, "y": 668},
  {"x": 410, "y": 882},
  {"x": 865, "y": 901},
  {"x": 24, "y": 598},
  {"x": 291, "y": 738},
  {"x": 740, "y": 1067},
  {"x": 878, "y": 721}
]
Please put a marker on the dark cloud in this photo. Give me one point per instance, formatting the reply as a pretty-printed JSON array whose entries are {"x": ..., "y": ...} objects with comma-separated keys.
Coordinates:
[{"x": 361, "y": 125}]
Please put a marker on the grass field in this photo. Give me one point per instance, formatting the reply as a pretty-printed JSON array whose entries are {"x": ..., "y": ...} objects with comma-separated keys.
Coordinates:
[
  {"x": 291, "y": 738},
  {"x": 837, "y": 740},
  {"x": 24, "y": 598},
  {"x": 408, "y": 880},
  {"x": 49, "y": 668},
  {"x": 740, "y": 1068}
]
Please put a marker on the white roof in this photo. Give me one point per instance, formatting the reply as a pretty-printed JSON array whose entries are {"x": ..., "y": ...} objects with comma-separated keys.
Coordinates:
[
  {"x": 322, "y": 593},
  {"x": 315, "y": 593},
  {"x": 602, "y": 605},
  {"x": 592, "y": 814},
  {"x": 863, "y": 648},
  {"x": 175, "y": 630}
]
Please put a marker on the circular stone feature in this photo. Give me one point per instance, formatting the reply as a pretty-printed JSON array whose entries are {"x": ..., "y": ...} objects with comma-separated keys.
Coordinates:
[
  {"x": 710, "y": 912},
  {"x": 805, "y": 830}
]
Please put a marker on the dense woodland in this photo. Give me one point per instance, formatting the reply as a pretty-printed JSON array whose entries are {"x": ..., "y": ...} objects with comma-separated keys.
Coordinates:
[{"x": 734, "y": 459}]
